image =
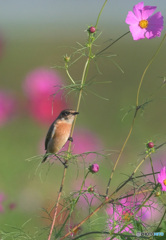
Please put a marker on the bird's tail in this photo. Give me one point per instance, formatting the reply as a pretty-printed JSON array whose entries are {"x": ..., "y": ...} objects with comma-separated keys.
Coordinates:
[{"x": 45, "y": 158}]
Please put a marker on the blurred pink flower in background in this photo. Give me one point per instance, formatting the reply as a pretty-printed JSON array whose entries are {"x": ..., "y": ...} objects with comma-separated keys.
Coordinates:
[
  {"x": 119, "y": 215},
  {"x": 85, "y": 140},
  {"x": 88, "y": 198},
  {"x": 39, "y": 87},
  {"x": 7, "y": 106},
  {"x": 158, "y": 160},
  {"x": 127, "y": 207},
  {"x": 151, "y": 212},
  {"x": 12, "y": 206},
  {"x": 2, "y": 199}
]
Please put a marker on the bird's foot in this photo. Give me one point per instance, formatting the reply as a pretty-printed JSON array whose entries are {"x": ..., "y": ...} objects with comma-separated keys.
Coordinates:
[
  {"x": 65, "y": 164},
  {"x": 70, "y": 139}
]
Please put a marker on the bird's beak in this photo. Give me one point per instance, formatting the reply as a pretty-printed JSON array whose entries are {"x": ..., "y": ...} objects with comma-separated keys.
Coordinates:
[{"x": 75, "y": 113}]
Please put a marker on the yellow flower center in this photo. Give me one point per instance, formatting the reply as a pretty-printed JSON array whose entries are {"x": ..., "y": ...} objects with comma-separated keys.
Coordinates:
[
  {"x": 127, "y": 217},
  {"x": 143, "y": 23},
  {"x": 164, "y": 182}
]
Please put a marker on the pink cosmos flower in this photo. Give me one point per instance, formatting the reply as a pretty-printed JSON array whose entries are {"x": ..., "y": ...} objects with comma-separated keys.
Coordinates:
[
  {"x": 124, "y": 212},
  {"x": 162, "y": 178},
  {"x": 142, "y": 24},
  {"x": 119, "y": 216},
  {"x": 39, "y": 86},
  {"x": 7, "y": 107},
  {"x": 149, "y": 213}
]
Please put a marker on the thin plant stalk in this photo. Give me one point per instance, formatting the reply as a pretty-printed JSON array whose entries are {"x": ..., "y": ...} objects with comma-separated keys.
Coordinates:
[
  {"x": 57, "y": 203},
  {"x": 84, "y": 77},
  {"x": 106, "y": 201},
  {"x": 100, "y": 13},
  {"x": 152, "y": 169},
  {"x": 137, "y": 108},
  {"x": 112, "y": 43},
  {"x": 119, "y": 156},
  {"x": 76, "y": 200},
  {"x": 69, "y": 149},
  {"x": 150, "y": 62},
  {"x": 125, "y": 225},
  {"x": 163, "y": 217}
]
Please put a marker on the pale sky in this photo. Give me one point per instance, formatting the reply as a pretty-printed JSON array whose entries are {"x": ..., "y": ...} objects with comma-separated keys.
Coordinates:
[{"x": 65, "y": 14}]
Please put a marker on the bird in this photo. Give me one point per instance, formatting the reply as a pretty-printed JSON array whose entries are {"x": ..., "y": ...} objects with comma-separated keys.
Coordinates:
[{"x": 59, "y": 132}]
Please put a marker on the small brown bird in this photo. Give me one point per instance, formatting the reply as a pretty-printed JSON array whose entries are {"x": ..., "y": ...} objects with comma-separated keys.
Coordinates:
[{"x": 59, "y": 132}]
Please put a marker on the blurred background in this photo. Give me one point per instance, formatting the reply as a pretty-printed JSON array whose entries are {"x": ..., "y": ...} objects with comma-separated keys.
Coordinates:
[{"x": 34, "y": 37}]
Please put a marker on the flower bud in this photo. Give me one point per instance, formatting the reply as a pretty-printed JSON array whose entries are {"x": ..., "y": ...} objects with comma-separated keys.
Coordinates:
[
  {"x": 92, "y": 29},
  {"x": 90, "y": 189},
  {"x": 150, "y": 145},
  {"x": 106, "y": 198},
  {"x": 158, "y": 193},
  {"x": 94, "y": 168},
  {"x": 67, "y": 58}
]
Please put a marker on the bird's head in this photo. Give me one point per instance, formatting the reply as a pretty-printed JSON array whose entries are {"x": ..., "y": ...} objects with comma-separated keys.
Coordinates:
[{"x": 68, "y": 115}]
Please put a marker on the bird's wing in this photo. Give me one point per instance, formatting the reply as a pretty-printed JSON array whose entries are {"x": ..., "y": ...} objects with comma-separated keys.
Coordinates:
[{"x": 50, "y": 134}]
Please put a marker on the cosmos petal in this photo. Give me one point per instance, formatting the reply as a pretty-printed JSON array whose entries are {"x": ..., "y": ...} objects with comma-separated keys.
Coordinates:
[
  {"x": 137, "y": 9},
  {"x": 163, "y": 171},
  {"x": 156, "y": 22},
  {"x": 131, "y": 18},
  {"x": 155, "y": 27},
  {"x": 161, "y": 178},
  {"x": 148, "y": 11},
  {"x": 137, "y": 32}
]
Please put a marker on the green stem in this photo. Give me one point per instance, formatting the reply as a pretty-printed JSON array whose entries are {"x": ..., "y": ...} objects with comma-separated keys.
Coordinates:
[
  {"x": 100, "y": 13},
  {"x": 108, "y": 233},
  {"x": 81, "y": 187},
  {"x": 163, "y": 217},
  {"x": 68, "y": 74},
  {"x": 73, "y": 206},
  {"x": 121, "y": 151},
  {"x": 106, "y": 201},
  {"x": 147, "y": 199},
  {"x": 112, "y": 43},
  {"x": 152, "y": 169},
  {"x": 151, "y": 60},
  {"x": 137, "y": 108},
  {"x": 126, "y": 224},
  {"x": 84, "y": 77},
  {"x": 79, "y": 100}
]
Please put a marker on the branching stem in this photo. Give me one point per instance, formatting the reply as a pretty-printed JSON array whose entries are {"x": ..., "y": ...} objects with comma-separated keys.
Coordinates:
[
  {"x": 137, "y": 107},
  {"x": 84, "y": 76},
  {"x": 106, "y": 201}
]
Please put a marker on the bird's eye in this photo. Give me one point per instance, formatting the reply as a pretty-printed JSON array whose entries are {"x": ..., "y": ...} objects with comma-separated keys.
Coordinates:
[{"x": 66, "y": 113}]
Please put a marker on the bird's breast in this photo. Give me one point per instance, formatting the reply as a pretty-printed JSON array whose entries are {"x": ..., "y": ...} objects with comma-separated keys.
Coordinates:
[{"x": 60, "y": 137}]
